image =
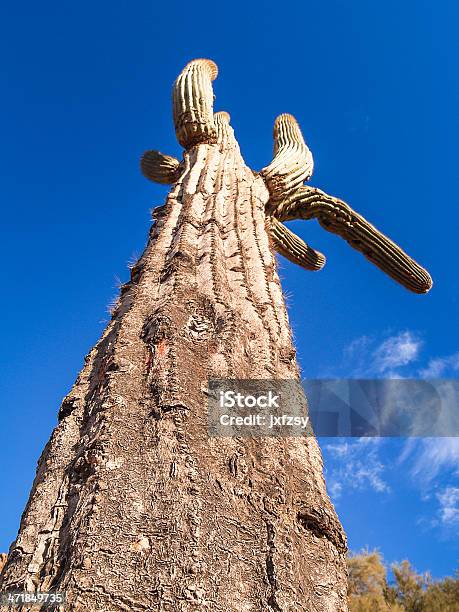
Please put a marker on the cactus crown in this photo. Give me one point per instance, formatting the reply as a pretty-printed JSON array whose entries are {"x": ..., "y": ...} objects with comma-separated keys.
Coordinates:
[{"x": 292, "y": 165}]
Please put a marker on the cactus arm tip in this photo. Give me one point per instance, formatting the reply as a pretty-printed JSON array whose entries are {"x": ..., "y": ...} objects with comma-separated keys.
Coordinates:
[
  {"x": 292, "y": 247},
  {"x": 223, "y": 116},
  {"x": 192, "y": 102},
  {"x": 208, "y": 64},
  {"x": 225, "y": 133},
  {"x": 293, "y": 162},
  {"x": 160, "y": 168}
]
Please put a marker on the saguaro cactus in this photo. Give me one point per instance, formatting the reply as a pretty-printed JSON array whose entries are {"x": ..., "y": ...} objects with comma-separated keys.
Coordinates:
[
  {"x": 284, "y": 177},
  {"x": 133, "y": 506}
]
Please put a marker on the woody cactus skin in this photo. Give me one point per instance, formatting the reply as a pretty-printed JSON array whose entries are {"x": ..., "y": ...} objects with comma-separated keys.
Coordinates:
[{"x": 292, "y": 163}]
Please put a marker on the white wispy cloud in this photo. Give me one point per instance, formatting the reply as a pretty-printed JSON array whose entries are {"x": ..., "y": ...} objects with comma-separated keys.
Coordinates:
[
  {"x": 397, "y": 351},
  {"x": 368, "y": 356},
  {"x": 431, "y": 456},
  {"x": 371, "y": 355},
  {"x": 448, "y": 500},
  {"x": 335, "y": 489},
  {"x": 439, "y": 366},
  {"x": 432, "y": 461},
  {"x": 356, "y": 357},
  {"x": 356, "y": 465}
]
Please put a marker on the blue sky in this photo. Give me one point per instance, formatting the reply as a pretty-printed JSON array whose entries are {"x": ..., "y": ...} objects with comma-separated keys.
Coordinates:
[
  {"x": 396, "y": 494},
  {"x": 86, "y": 89}
]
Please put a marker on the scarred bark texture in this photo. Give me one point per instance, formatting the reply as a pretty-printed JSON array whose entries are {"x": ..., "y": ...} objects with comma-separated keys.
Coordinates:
[{"x": 134, "y": 507}]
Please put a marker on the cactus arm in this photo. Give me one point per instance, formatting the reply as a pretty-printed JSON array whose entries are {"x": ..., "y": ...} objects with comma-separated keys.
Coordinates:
[
  {"x": 160, "y": 168},
  {"x": 293, "y": 248},
  {"x": 292, "y": 164},
  {"x": 192, "y": 101},
  {"x": 225, "y": 132},
  {"x": 336, "y": 216}
]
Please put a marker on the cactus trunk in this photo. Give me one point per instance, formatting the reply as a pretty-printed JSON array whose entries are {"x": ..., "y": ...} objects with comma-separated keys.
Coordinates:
[{"x": 134, "y": 507}]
